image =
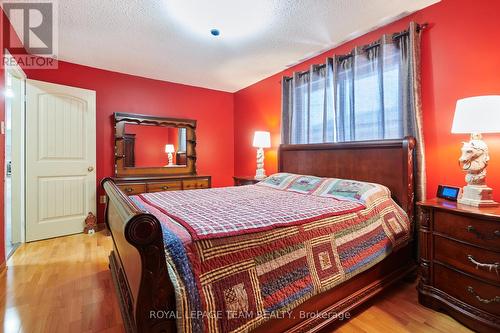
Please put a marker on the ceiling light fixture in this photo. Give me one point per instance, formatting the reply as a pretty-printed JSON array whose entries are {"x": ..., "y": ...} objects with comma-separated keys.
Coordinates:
[{"x": 237, "y": 18}]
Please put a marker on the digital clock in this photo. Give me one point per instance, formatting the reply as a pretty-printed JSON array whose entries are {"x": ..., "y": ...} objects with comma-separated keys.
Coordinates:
[{"x": 448, "y": 192}]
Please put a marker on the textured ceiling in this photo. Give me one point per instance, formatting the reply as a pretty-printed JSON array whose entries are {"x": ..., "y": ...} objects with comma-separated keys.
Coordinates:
[{"x": 166, "y": 39}]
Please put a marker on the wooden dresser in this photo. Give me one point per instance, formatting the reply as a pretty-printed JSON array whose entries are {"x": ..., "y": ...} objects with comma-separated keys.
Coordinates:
[
  {"x": 460, "y": 262},
  {"x": 137, "y": 185}
]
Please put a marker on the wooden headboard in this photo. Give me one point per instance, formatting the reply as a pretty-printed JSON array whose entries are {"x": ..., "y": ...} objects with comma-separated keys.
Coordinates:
[{"x": 386, "y": 162}]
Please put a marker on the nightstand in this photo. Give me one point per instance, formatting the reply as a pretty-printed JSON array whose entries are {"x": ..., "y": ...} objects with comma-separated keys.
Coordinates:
[
  {"x": 245, "y": 180},
  {"x": 460, "y": 262}
]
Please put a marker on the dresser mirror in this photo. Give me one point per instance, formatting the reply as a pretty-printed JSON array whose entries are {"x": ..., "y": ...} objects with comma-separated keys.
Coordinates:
[
  {"x": 147, "y": 146},
  {"x": 154, "y": 146}
]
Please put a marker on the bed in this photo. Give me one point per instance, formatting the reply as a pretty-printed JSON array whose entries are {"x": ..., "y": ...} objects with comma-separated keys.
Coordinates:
[{"x": 146, "y": 286}]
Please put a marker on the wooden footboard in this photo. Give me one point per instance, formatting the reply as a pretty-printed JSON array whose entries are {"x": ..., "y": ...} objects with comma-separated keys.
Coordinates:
[{"x": 138, "y": 265}]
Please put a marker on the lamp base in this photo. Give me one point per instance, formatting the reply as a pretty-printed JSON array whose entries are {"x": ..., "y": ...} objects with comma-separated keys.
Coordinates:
[
  {"x": 477, "y": 196},
  {"x": 260, "y": 174}
]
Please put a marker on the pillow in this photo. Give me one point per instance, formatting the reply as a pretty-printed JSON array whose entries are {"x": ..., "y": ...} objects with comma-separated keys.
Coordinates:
[
  {"x": 346, "y": 189},
  {"x": 278, "y": 180},
  {"x": 340, "y": 189},
  {"x": 305, "y": 184}
]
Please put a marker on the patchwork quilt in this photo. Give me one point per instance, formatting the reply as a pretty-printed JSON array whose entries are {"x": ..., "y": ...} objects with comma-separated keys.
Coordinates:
[{"x": 240, "y": 256}]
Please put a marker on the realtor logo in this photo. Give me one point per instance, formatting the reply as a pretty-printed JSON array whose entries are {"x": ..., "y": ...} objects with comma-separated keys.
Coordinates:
[{"x": 31, "y": 36}]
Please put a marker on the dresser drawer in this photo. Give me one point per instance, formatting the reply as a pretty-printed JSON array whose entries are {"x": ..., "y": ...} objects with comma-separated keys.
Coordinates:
[
  {"x": 469, "y": 229},
  {"x": 479, "y": 294},
  {"x": 476, "y": 261},
  {"x": 165, "y": 186},
  {"x": 195, "y": 184},
  {"x": 133, "y": 188}
]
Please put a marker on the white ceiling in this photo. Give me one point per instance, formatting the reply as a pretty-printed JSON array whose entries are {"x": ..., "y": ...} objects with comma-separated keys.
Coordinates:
[{"x": 170, "y": 40}]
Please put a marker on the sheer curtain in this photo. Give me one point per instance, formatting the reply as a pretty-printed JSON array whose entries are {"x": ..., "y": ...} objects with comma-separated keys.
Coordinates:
[
  {"x": 372, "y": 93},
  {"x": 308, "y": 116},
  {"x": 350, "y": 98},
  {"x": 367, "y": 93}
]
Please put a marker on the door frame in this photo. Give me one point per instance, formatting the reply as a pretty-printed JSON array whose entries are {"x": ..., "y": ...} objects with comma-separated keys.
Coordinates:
[{"x": 18, "y": 123}]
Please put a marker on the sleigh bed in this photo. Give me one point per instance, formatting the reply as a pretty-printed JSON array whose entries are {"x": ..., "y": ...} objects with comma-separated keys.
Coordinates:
[{"x": 148, "y": 291}]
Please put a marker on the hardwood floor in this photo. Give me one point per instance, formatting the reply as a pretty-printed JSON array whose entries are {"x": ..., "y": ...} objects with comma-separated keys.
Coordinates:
[
  {"x": 399, "y": 311},
  {"x": 64, "y": 285},
  {"x": 60, "y": 285}
]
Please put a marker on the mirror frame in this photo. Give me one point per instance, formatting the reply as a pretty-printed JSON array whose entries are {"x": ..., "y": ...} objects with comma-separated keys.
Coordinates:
[{"x": 121, "y": 171}]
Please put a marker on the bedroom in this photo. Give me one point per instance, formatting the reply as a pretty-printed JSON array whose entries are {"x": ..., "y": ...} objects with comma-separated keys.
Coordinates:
[{"x": 182, "y": 96}]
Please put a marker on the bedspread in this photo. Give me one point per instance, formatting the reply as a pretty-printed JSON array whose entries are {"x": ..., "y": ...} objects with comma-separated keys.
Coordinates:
[
  {"x": 231, "y": 211},
  {"x": 235, "y": 283}
]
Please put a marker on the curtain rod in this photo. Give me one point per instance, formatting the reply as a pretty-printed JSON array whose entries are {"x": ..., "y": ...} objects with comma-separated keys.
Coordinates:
[
  {"x": 318, "y": 66},
  {"x": 397, "y": 35},
  {"x": 420, "y": 27}
]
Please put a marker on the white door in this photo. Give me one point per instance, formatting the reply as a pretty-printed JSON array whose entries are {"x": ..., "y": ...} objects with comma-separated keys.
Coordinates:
[{"x": 60, "y": 159}]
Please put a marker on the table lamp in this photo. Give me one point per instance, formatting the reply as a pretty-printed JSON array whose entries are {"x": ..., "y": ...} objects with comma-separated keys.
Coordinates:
[
  {"x": 261, "y": 140},
  {"x": 170, "y": 149},
  {"x": 476, "y": 115}
]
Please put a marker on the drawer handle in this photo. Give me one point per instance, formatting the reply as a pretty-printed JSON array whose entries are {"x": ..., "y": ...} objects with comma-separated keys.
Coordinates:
[
  {"x": 164, "y": 188},
  {"x": 496, "y": 233},
  {"x": 129, "y": 190},
  {"x": 495, "y": 299},
  {"x": 478, "y": 264}
]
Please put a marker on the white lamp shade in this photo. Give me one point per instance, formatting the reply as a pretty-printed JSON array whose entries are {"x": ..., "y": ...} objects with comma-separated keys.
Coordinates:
[
  {"x": 479, "y": 114},
  {"x": 262, "y": 139},
  {"x": 169, "y": 149}
]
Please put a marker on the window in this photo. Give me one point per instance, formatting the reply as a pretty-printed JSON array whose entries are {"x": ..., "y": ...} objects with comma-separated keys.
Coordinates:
[
  {"x": 182, "y": 139},
  {"x": 351, "y": 98},
  {"x": 373, "y": 93}
]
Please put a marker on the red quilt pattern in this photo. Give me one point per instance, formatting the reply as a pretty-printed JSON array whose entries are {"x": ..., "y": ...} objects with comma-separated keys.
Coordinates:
[{"x": 230, "y": 211}]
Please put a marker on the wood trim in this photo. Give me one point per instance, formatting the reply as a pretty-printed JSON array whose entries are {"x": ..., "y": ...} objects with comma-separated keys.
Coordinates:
[
  {"x": 143, "y": 184},
  {"x": 121, "y": 119},
  {"x": 139, "y": 119},
  {"x": 492, "y": 213}
]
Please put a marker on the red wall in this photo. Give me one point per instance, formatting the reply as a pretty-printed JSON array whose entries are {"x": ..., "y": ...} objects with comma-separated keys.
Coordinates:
[
  {"x": 117, "y": 92},
  {"x": 460, "y": 58}
]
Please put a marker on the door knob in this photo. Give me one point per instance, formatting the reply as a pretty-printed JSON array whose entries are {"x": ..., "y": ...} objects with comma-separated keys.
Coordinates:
[{"x": 90, "y": 168}]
